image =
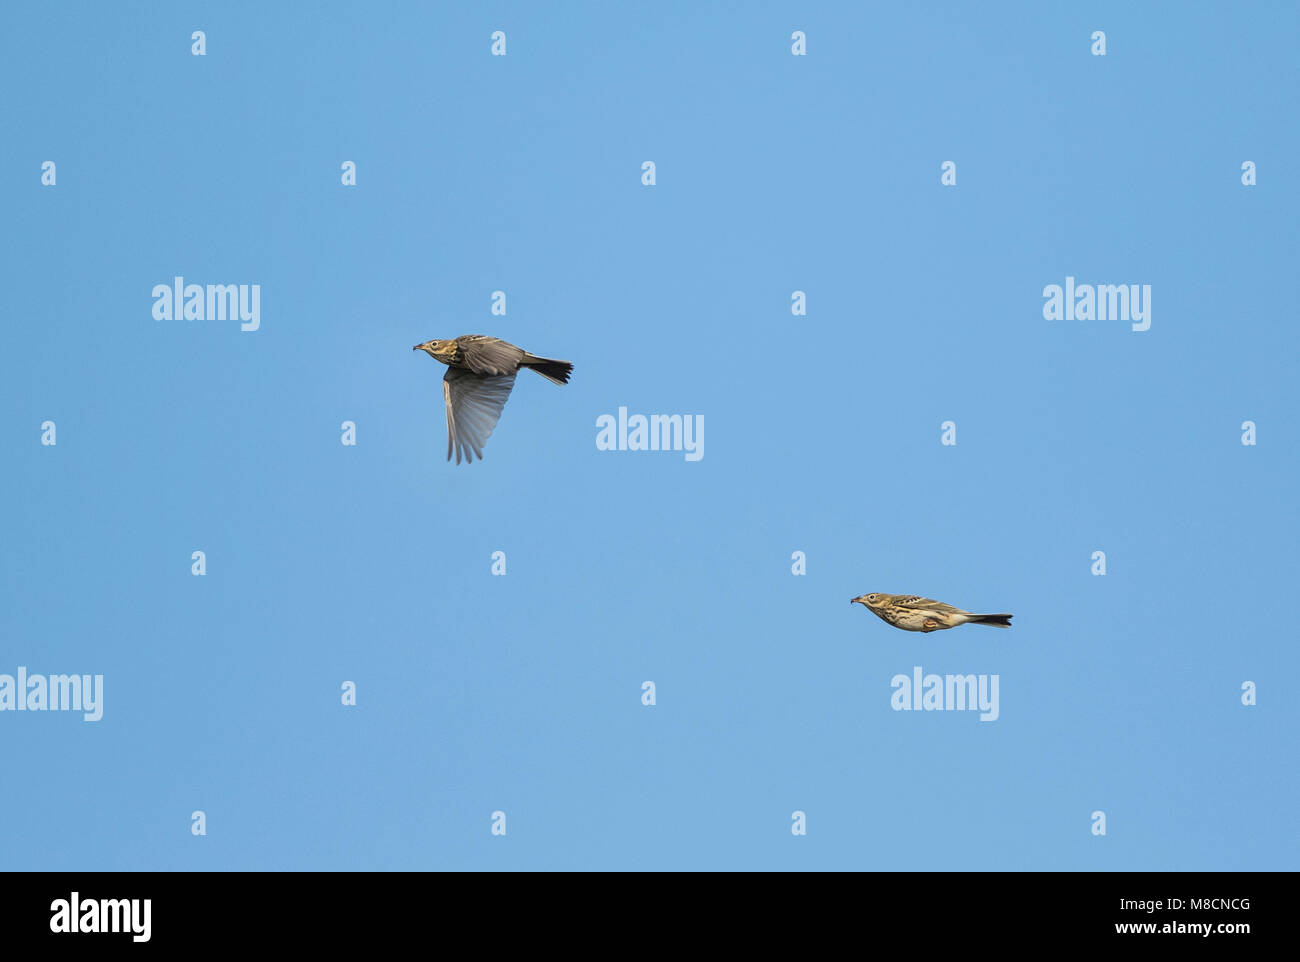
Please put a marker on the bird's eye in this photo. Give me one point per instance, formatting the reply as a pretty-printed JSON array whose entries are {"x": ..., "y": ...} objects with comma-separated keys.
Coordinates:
[{"x": 871, "y": 597}]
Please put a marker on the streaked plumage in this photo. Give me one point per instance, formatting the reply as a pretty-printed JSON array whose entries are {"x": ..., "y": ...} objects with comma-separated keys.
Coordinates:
[
  {"x": 480, "y": 374},
  {"x": 913, "y": 613}
]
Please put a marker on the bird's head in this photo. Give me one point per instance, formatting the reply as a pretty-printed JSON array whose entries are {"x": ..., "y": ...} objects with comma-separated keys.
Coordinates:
[
  {"x": 871, "y": 601},
  {"x": 439, "y": 350}
]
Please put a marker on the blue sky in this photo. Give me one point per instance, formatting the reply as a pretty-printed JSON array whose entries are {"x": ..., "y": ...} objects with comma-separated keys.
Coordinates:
[{"x": 774, "y": 173}]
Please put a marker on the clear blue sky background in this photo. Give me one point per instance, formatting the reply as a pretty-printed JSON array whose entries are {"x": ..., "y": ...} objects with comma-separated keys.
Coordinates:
[{"x": 522, "y": 693}]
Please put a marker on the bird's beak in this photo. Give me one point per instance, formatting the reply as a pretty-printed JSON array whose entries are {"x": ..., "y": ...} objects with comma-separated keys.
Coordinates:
[
  {"x": 416, "y": 348},
  {"x": 857, "y": 600}
]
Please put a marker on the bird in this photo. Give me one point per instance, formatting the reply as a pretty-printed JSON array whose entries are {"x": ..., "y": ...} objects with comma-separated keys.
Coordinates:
[
  {"x": 912, "y": 613},
  {"x": 480, "y": 373}
]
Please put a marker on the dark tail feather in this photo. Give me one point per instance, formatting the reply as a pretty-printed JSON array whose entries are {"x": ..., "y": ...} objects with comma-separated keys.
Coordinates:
[
  {"x": 557, "y": 371},
  {"x": 1000, "y": 621}
]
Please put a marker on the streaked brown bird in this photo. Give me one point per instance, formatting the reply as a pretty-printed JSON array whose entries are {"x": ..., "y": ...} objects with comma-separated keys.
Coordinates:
[
  {"x": 922, "y": 614},
  {"x": 480, "y": 373}
]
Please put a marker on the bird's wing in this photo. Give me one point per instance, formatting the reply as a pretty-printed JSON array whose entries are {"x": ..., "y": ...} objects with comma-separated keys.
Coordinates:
[
  {"x": 489, "y": 355},
  {"x": 926, "y": 604},
  {"x": 474, "y": 405}
]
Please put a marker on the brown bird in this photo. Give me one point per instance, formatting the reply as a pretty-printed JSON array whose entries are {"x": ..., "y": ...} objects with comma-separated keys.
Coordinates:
[
  {"x": 922, "y": 614},
  {"x": 480, "y": 373}
]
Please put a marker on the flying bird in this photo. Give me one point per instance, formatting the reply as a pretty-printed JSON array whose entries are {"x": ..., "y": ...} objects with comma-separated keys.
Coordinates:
[
  {"x": 921, "y": 614},
  {"x": 480, "y": 373}
]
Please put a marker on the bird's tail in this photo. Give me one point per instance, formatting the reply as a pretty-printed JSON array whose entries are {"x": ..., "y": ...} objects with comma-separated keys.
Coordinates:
[
  {"x": 552, "y": 370},
  {"x": 998, "y": 621}
]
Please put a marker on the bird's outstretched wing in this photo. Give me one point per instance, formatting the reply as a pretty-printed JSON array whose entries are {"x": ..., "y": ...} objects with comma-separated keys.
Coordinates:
[
  {"x": 474, "y": 406},
  {"x": 489, "y": 355}
]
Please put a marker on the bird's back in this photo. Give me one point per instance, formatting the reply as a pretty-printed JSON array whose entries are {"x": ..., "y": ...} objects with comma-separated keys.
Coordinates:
[{"x": 488, "y": 355}]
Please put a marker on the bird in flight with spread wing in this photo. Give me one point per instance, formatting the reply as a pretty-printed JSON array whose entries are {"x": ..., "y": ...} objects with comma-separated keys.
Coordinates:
[
  {"x": 922, "y": 614},
  {"x": 480, "y": 373}
]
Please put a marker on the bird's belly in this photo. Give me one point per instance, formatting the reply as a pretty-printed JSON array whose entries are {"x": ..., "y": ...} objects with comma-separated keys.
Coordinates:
[{"x": 912, "y": 620}]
